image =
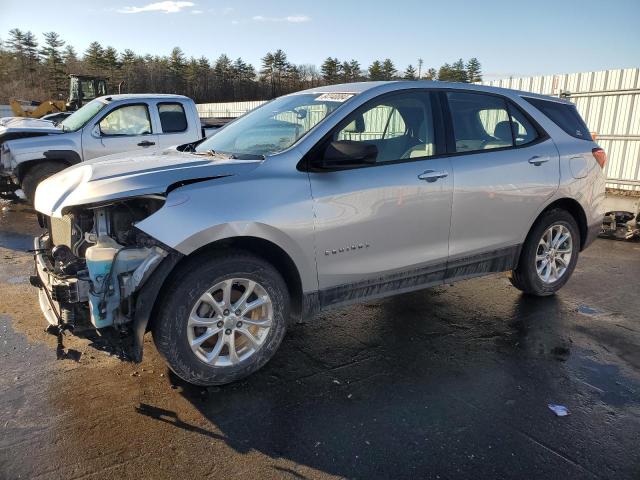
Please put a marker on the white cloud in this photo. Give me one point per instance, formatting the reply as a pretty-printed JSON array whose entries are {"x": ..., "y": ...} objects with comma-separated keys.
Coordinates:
[
  {"x": 197, "y": 12},
  {"x": 289, "y": 18},
  {"x": 166, "y": 7}
]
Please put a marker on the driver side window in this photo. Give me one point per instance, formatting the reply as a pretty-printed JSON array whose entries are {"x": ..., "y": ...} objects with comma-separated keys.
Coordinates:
[
  {"x": 128, "y": 120},
  {"x": 401, "y": 127}
]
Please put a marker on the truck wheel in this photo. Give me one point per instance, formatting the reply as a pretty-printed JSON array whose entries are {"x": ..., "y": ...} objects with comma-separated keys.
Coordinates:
[
  {"x": 38, "y": 173},
  {"x": 549, "y": 254},
  {"x": 223, "y": 317}
]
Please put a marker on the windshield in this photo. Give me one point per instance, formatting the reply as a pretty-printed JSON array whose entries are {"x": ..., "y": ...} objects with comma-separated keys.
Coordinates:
[
  {"x": 79, "y": 119},
  {"x": 275, "y": 126}
]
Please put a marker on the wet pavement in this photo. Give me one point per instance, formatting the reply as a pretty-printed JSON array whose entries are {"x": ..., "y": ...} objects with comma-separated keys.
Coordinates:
[{"x": 452, "y": 382}]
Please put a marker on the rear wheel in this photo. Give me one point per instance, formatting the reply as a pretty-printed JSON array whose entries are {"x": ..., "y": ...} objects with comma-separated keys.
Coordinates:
[
  {"x": 223, "y": 320},
  {"x": 549, "y": 254},
  {"x": 37, "y": 174}
]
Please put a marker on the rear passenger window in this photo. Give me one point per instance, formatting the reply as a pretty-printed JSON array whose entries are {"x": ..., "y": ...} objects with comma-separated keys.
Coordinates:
[
  {"x": 172, "y": 117},
  {"x": 564, "y": 115},
  {"x": 523, "y": 131},
  {"x": 480, "y": 122}
]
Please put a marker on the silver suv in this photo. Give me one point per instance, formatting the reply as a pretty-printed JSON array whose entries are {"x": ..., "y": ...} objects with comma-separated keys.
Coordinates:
[{"x": 324, "y": 197}]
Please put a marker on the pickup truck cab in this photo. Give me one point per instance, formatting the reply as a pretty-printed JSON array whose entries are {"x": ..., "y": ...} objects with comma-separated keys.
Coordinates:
[{"x": 33, "y": 149}]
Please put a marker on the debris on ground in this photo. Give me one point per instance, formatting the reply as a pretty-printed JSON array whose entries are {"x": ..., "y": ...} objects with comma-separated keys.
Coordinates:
[{"x": 559, "y": 410}]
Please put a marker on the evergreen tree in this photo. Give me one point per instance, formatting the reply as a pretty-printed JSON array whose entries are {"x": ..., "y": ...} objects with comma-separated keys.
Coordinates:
[
  {"x": 176, "y": 64},
  {"x": 355, "y": 72},
  {"x": 474, "y": 70},
  {"x": 388, "y": 70},
  {"x": 410, "y": 73},
  {"x": 274, "y": 67},
  {"x": 111, "y": 66},
  {"x": 30, "y": 49},
  {"x": 52, "y": 59},
  {"x": 331, "y": 70},
  {"x": 459, "y": 71},
  {"x": 93, "y": 57},
  {"x": 431, "y": 74},
  {"x": 375, "y": 71},
  {"x": 70, "y": 58}
]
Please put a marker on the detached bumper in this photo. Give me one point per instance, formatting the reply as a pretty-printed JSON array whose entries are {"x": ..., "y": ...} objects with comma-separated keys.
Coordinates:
[{"x": 56, "y": 294}]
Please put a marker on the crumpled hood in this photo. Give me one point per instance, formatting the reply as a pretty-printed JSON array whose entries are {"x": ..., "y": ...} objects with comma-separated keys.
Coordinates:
[
  {"x": 120, "y": 176},
  {"x": 28, "y": 125}
]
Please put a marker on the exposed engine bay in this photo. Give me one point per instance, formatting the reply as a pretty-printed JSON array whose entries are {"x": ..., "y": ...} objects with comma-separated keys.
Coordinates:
[{"x": 93, "y": 260}]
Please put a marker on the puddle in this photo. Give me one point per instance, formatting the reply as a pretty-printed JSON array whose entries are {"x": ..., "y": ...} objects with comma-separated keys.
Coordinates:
[
  {"x": 16, "y": 241},
  {"x": 613, "y": 387}
]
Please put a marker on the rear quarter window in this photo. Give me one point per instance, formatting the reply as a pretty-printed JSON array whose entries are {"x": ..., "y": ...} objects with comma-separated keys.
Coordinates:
[
  {"x": 172, "y": 117},
  {"x": 564, "y": 115}
]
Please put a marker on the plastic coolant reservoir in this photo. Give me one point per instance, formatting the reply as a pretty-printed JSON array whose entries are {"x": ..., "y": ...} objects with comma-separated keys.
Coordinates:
[{"x": 101, "y": 259}]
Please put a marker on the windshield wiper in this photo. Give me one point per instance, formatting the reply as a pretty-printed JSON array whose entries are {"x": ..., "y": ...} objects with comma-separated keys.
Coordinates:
[{"x": 231, "y": 156}]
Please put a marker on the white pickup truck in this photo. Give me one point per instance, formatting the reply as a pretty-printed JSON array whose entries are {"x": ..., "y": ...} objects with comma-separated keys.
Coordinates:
[{"x": 32, "y": 149}]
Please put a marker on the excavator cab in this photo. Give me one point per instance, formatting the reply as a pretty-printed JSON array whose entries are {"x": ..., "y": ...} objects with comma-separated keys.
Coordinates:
[{"x": 83, "y": 89}]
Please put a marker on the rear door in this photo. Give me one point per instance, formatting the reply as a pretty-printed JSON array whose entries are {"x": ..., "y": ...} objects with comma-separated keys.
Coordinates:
[
  {"x": 124, "y": 128},
  {"x": 505, "y": 168},
  {"x": 174, "y": 127},
  {"x": 384, "y": 227}
]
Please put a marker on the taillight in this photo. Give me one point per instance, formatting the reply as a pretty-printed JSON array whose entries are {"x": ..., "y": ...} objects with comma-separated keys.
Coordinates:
[{"x": 600, "y": 156}]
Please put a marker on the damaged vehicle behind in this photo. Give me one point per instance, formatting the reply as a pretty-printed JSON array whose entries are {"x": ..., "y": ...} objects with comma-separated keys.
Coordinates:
[{"x": 319, "y": 198}]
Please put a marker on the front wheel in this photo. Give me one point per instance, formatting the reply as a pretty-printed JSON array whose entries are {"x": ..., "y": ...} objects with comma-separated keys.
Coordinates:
[
  {"x": 223, "y": 319},
  {"x": 549, "y": 254},
  {"x": 36, "y": 174}
]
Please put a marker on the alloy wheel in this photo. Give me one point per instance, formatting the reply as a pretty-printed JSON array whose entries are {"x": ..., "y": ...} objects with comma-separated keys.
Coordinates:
[
  {"x": 554, "y": 253},
  {"x": 230, "y": 322}
]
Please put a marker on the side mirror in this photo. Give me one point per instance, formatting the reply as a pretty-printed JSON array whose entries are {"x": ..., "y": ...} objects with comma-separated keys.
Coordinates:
[
  {"x": 95, "y": 131},
  {"x": 349, "y": 154}
]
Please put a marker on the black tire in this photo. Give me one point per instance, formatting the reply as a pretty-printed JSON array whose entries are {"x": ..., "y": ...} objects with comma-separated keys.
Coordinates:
[
  {"x": 36, "y": 174},
  {"x": 185, "y": 288},
  {"x": 525, "y": 276}
]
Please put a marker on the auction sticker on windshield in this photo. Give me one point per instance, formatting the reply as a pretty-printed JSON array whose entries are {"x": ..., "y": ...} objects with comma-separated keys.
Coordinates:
[{"x": 334, "y": 97}]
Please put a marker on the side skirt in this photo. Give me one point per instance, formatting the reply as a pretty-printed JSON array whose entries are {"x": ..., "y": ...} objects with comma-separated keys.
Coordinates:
[{"x": 457, "y": 269}]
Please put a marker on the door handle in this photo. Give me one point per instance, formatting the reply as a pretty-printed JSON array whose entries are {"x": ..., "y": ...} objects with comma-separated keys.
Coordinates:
[
  {"x": 146, "y": 143},
  {"x": 538, "y": 160},
  {"x": 432, "y": 175}
]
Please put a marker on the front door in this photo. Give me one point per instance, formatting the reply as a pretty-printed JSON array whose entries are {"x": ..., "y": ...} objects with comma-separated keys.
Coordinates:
[
  {"x": 504, "y": 168},
  {"x": 123, "y": 129},
  {"x": 384, "y": 227}
]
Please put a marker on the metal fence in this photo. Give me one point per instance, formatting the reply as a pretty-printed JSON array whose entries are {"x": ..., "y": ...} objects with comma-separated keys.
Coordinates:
[
  {"x": 609, "y": 101},
  {"x": 227, "y": 109}
]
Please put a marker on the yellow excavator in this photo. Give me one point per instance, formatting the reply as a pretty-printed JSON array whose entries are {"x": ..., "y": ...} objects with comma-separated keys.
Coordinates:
[{"x": 82, "y": 89}]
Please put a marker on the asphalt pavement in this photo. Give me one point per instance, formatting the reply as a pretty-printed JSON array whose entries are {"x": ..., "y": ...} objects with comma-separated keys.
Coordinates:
[{"x": 453, "y": 382}]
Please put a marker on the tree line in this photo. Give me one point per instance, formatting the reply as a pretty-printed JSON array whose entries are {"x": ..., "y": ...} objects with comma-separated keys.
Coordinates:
[{"x": 38, "y": 70}]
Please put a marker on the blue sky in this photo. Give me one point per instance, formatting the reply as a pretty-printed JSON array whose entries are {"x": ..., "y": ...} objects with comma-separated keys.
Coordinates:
[{"x": 511, "y": 38}]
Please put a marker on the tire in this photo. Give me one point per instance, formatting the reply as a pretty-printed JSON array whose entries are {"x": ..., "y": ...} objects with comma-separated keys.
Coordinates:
[
  {"x": 526, "y": 277},
  {"x": 36, "y": 174},
  {"x": 173, "y": 332}
]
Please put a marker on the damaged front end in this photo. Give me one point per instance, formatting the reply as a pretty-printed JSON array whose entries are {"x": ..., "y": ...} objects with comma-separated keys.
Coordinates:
[{"x": 93, "y": 267}]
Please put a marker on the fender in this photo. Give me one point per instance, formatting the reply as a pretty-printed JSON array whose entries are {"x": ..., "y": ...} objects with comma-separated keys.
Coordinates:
[{"x": 70, "y": 157}]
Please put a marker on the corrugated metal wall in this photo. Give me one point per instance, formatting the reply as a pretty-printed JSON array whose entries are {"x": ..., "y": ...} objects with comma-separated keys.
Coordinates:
[
  {"x": 227, "y": 109},
  {"x": 609, "y": 101}
]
